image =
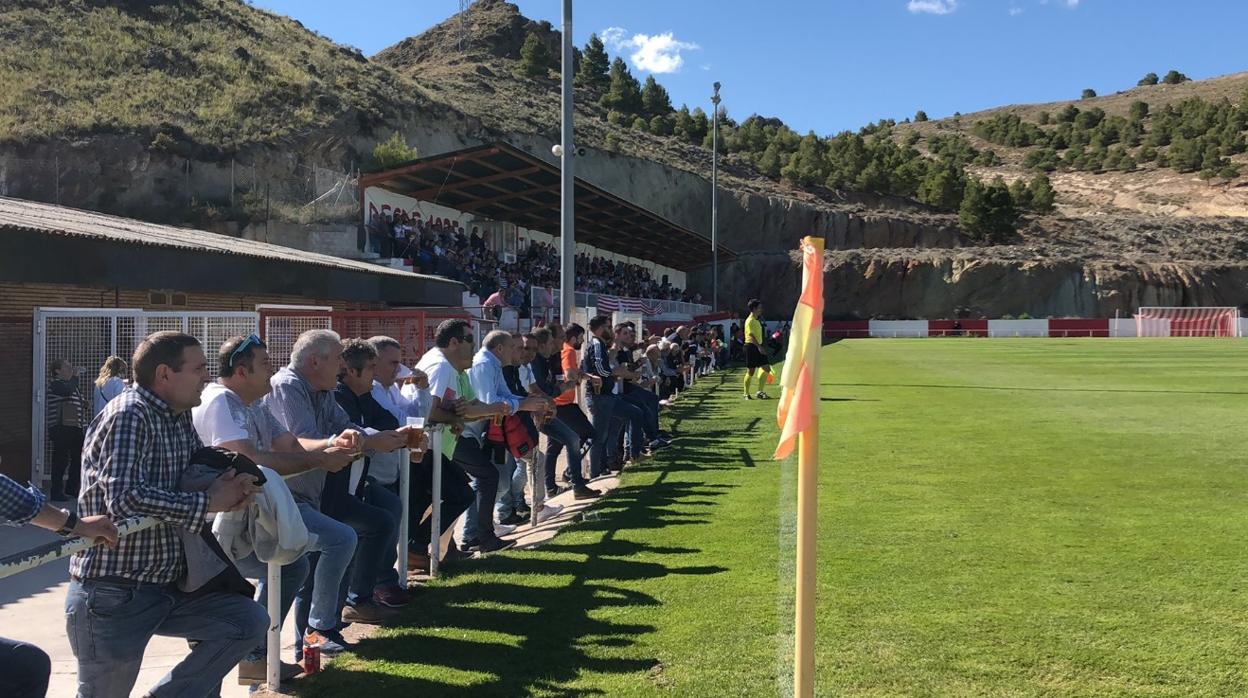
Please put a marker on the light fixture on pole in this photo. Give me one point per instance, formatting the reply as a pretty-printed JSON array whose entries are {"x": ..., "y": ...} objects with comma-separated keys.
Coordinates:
[
  {"x": 567, "y": 178},
  {"x": 715, "y": 199}
]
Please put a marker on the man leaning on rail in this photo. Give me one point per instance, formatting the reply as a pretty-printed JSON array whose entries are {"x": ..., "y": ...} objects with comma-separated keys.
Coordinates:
[{"x": 133, "y": 459}]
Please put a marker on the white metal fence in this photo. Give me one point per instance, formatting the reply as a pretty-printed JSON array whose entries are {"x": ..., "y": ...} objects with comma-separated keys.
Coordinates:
[
  {"x": 545, "y": 303},
  {"x": 87, "y": 336}
]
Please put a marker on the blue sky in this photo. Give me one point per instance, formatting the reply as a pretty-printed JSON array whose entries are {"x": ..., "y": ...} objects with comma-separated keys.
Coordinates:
[{"x": 829, "y": 65}]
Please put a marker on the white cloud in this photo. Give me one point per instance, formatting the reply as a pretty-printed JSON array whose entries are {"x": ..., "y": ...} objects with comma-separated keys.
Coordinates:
[
  {"x": 614, "y": 37},
  {"x": 660, "y": 53},
  {"x": 1016, "y": 11},
  {"x": 932, "y": 7}
]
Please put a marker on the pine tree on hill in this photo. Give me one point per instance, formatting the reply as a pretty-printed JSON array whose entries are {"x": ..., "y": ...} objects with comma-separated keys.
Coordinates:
[
  {"x": 594, "y": 65},
  {"x": 943, "y": 186},
  {"x": 1174, "y": 77},
  {"x": 770, "y": 162},
  {"x": 535, "y": 58},
  {"x": 654, "y": 98},
  {"x": 699, "y": 126},
  {"x": 393, "y": 151},
  {"x": 624, "y": 93},
  {"x": 1150, "y": 79},
  {"x": 806, "y": 167},
  {"x": 682, "y": 123},
  {"x": 1042, "y": 194},
  {"x": 987, "y": 211}
]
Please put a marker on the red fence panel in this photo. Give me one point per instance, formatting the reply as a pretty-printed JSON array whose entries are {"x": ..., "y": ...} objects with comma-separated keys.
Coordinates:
[
  {"x": 1079, "y": 327},
  {"x": 846, "y": 329}
]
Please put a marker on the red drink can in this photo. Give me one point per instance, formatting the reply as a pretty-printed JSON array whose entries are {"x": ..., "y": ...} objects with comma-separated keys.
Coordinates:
[{"x": 311, "y": 660}]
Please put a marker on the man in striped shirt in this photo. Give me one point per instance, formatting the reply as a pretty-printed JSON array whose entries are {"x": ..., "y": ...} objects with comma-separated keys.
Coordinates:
[{"x": 120, "y": 597}]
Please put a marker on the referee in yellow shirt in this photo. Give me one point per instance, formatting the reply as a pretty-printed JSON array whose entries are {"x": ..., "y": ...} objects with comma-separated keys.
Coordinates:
[{"x": 755, "y": 357}]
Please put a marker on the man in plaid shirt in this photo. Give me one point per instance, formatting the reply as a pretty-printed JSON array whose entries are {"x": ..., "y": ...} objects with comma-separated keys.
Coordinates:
[{"x": 120, "y": 597}]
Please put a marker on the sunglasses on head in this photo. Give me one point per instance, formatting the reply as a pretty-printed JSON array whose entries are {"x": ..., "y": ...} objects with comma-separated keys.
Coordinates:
[{"x": 251, "y": 341}]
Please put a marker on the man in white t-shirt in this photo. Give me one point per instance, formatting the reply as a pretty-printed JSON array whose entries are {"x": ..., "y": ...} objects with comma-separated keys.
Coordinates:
[
  {"x": 455, "y": 403},
  {"x": 232, "y": 416}
]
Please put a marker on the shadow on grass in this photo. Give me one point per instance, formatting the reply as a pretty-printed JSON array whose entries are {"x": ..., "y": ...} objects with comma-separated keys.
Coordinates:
[{"x": 530, "y": 622}]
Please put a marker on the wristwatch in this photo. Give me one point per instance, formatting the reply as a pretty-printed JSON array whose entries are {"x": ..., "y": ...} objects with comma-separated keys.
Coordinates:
[{"x": 71, "y": 522}]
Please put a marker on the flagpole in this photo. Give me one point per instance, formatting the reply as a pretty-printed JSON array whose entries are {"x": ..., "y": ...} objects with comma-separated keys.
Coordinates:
[
  {"x": 798, "y": 417},
  {"x": 807, "y": 499}
]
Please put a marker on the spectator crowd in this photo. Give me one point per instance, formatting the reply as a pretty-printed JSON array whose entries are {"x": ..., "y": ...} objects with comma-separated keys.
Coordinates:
[
  {"x": 444, "y": 248},
  {"x": 299, "y": 465}
]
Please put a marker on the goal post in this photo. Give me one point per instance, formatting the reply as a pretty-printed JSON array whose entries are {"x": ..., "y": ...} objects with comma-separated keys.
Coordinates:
[{"x": 1208, "y": 321}]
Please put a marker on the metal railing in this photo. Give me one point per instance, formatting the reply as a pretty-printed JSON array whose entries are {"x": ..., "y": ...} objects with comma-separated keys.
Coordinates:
[{"x": 587, "y": 299}]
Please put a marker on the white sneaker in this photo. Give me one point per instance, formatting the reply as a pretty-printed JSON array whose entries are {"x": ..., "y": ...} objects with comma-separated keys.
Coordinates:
[
  {"x": 501, "y": 530},
  {"x": 549, "y": 511}
]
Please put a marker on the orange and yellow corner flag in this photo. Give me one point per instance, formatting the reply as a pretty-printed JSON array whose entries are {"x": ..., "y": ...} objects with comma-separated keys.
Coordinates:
[{"x": 799, "y": 381}]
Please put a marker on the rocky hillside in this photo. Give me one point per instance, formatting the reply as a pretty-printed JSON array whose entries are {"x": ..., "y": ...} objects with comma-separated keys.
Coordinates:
[{"x": 139, "y": 101}]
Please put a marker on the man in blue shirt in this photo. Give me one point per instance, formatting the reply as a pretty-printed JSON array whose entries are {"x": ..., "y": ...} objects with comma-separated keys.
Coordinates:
[{"x": 490, "y": 386}]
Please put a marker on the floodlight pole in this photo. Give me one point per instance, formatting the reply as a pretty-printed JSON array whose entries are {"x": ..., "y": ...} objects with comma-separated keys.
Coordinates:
[
  {"x": 567, "y": 180},
  {"x": 715, "y": 199}
]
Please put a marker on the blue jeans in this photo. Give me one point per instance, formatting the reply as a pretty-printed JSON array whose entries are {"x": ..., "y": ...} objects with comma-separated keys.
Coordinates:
[
  {"x": 632, "y": 416},
  {"x": 649, "y": 403},
  {"x": 377, "y": 528},
  {"x": 293, "y": 576},
  {"x": 317, "y": 603},
  {"x": 473, "y": 518},
  {"x": 387, "y": 497},
  {"x": 512, "y": 477},
  {"x": 26, "y": 669},
  {"x": 601, "y": 410},
  {"x": 109, "y": 626},
  {"x": 562, "y": 436}
]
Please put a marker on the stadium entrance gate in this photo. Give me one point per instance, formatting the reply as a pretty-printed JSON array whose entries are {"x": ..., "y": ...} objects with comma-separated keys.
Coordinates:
[{"x": 87, "y": 336}]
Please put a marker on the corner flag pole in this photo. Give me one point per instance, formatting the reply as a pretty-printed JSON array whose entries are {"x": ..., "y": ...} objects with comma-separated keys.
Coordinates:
[
  {"x": 798, "y": 416},
  {"x": 807, "y": 501}
]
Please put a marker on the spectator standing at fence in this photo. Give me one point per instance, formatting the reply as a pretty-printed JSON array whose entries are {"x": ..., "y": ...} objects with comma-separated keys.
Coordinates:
[
  {"x": 413, "y": 399},
  {"x": 635, "y": 394},
  {"x": 510, "y": 507},
  {"x": 455, "y": 403},
  {"x": 626, "y": 442},
  {"x": 569, "y": 429},
  {"x": 378, "y": 488},
  {"x": 109, "y": 383},
  {"x": 120, "y": 597},
  {"x": 602, "y": 399},
  {"x": 302, "y": 400},
  {"x": 66, "y": 417},
  {"x": 490, "y": 387},
  {"x": 26, "y": 667},
  {"x": 231, "y": 415}
]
